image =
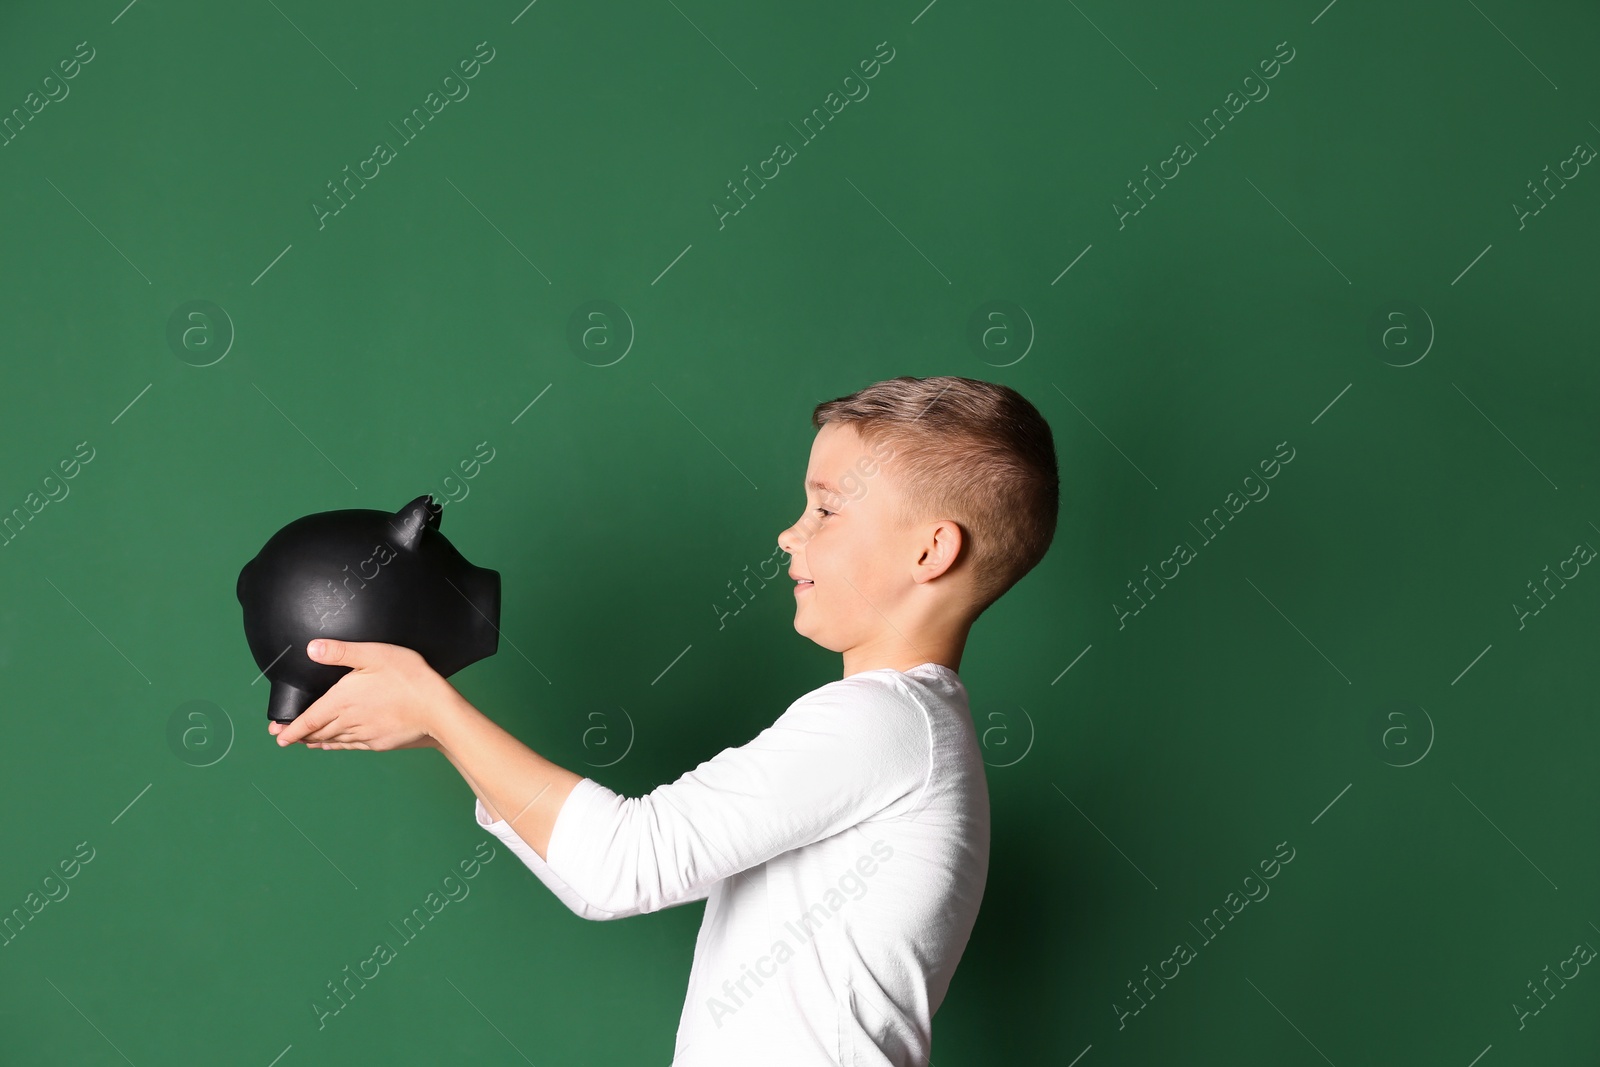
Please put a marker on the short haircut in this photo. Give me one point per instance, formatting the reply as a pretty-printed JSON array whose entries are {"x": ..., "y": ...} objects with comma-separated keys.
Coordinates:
[{"x": 977, "y": 453}]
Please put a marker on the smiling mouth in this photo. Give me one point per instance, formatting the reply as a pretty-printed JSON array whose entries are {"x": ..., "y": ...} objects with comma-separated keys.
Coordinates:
[{"x": 802, "y": 583}]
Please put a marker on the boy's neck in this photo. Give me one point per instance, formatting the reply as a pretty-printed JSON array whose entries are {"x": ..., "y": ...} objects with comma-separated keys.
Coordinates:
[{"x": 903, "y": 655}]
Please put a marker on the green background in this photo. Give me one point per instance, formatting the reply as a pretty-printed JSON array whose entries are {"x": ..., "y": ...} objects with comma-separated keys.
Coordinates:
[{"x": 1342, "y": 670}]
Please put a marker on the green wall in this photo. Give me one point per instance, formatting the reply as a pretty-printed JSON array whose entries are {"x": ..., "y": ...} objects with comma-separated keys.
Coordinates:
[{"x": 1348, "y": 271}]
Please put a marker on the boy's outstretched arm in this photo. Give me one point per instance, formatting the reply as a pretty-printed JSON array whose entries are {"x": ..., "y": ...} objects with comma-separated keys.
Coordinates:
[{"x": 833, "y": 759}]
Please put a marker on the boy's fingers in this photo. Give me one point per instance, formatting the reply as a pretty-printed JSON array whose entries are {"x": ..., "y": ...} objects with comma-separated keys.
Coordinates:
[
  {"x": 326, "y": 650},
  {"x": 309, "y": 722},
  {"x": 346, "y": 653}
]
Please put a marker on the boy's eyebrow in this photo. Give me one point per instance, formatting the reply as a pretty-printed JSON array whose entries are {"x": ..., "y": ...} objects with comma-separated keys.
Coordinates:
[{"x": 824, "y": 486}]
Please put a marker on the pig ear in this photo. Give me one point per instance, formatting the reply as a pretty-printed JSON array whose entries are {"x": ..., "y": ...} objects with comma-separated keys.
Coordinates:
[{"x": 422, "y": 513}]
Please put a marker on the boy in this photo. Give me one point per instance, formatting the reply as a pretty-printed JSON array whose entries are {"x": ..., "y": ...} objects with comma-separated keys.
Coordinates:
[{"x": 843, "y": 852}]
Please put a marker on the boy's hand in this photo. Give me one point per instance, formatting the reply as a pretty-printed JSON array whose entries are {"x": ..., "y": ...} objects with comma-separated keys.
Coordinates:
[{"x": 387, "y": 701}]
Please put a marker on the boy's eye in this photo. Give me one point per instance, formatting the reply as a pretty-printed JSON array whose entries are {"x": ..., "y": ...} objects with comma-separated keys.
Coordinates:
[{"x": 825, "y": 511}]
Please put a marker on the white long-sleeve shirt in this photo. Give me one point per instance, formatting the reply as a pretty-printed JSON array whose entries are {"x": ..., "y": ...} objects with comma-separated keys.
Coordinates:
[{"x": 842, "y": 854}]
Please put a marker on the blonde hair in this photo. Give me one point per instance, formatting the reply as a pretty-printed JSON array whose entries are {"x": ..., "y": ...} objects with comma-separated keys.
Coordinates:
[{"x": 977, "y": 453}]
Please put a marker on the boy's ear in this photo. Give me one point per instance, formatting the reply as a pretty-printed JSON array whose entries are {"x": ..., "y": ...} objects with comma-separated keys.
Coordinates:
[{"x": 940, "y": 549}]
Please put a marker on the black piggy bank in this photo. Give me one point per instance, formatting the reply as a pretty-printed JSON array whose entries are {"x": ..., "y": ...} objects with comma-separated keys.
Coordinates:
[{"x": 361, "y": 575}]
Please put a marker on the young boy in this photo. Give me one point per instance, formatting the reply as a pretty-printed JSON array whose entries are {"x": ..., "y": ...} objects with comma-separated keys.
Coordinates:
[{"x": 843, "y": 852}]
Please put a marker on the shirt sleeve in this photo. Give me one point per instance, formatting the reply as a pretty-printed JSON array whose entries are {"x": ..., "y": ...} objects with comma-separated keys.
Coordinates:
[
  {"x": 531, "y": 859},
  {"x": 837, "y": 756}
]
